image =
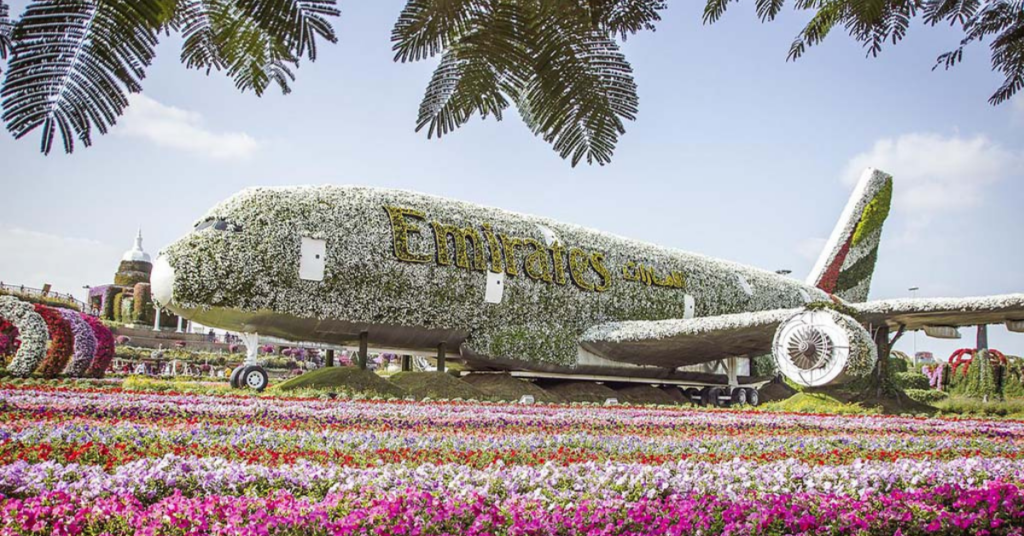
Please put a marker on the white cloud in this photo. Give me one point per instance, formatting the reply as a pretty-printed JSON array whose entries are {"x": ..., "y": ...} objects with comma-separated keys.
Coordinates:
[
  {"x": 33, "y": 259},
  {"x": 934, "y": 173},
  {"x": 172, "y": 127}
]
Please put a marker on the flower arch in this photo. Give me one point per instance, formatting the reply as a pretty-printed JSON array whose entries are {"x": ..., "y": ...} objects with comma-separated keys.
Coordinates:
[
  {"x": 31, "y": 331},
  {"x": 85, "y": 344},
  {"x": 62, "y": 341},
  {"x": 104, "y": 348}
]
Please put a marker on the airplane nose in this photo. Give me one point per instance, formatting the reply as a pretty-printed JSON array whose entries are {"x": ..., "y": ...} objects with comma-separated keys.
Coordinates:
[{"x": 162, "y": 281}]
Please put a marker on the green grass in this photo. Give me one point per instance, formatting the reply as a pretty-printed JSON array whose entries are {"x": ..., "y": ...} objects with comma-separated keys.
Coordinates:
[
  {"x": 345, "y": 380},
  {"x": 975, "y": 407},
  {"x": 808, "y": 402}
]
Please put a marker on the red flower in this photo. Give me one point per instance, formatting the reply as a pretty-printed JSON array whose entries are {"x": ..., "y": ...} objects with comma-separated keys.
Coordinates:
[{"x": 62, "y": 342}]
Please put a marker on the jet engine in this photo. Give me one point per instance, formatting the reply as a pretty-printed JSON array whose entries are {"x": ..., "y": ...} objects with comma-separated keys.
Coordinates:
[{"x": 819, "y": 347}]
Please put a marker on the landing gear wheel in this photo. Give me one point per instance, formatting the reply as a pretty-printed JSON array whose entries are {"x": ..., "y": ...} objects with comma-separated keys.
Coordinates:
[
  {"x": 753, "y": 397},
  {"x": 254, "y": 377},
  {"x": 715, "y": 397},
  {"x": 739, "y": 396},
  {"x": 693, "y": 396},
  {"x": 234, "y": 377},
  {"x": 705, "y": 396}
]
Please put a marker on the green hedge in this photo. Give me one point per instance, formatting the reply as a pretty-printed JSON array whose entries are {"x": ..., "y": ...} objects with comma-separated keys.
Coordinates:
[
  {"x": 926, "y": 396},
  {"x": 911, "y": 380}
]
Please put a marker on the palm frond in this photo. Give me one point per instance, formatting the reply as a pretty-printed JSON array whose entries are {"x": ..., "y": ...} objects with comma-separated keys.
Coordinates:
[
  {"x": 426, "y": 27},
  {"x": 714, "y": 9},
  {"x": 767, "y": 10},
  {"x": 6, "y": 27},
  {"x": 619, "y": 18},
  {"x": 580, "y": 90},
  {"x": 296, "y": 24},
  {"x": 955, "y": 11},
  {"x": 252, "y": 56},
  {"x": 195, "y": 20},
  {"x": 73, "y": 63}
]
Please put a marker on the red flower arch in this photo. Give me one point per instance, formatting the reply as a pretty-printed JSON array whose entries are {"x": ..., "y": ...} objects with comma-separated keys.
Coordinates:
[{"x": 62, "y": 342}]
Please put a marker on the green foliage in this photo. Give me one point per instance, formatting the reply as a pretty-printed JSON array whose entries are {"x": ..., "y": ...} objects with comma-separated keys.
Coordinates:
[
  {"x": 764, "y": 365},
  {"x": 959, "y": 405},
  {"x": 117, "y": 309},
  {"x": 142, "y": 303},
  {"x": 1012, "y": 383},
  {"x": 808, "y": 402},
  {"x": 980, "y": 381},
  {"x": 558, "y": 62},
  {"x": 77, "y": 79},
  {"x": 875, "y": 22},
  {"x": 897, "y": 365},
  {"x": 911, "y": 380},
  {"x": 926, "y": 396},
  {"x": 347, "y": 380}
]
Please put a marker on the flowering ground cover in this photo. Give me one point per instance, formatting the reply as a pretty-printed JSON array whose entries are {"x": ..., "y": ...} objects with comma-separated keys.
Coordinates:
[{"x": 81, "y": 461}]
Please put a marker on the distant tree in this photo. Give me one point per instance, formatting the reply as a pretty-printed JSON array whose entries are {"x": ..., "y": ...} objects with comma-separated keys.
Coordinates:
[{"x": 557, "y": 61}]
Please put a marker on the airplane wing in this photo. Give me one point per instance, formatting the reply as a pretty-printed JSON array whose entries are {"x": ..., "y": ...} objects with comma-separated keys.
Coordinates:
[
  {"x": 915, "y": 314},
  {"x": 678, "y": 342}
]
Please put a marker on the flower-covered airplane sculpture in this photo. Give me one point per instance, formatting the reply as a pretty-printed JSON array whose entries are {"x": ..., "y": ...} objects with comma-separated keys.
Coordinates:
[{"x": 505, "y": 291}]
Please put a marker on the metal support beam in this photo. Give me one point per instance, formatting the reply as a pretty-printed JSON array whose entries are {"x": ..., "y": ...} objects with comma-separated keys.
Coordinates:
[
  {"x": 731, "y": 364},
  {"x": 156, "y": 323},
  {"x": 406, "y": 363},
  {"x": 179, "y": 326},
  {"x": 440, "y": 357},
  {"x": 982, "y": 337},
  {"x": 330, "y": 357},
  {"x": 364, "y": 338}
]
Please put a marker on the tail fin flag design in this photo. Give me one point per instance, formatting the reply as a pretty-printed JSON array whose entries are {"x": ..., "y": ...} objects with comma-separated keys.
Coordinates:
[{"x": 848, "y": 261}]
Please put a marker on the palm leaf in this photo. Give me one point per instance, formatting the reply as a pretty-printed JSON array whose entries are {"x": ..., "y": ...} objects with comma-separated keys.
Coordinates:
[
  {"x": 253, "y": 57},
  {"x": 426, "y": 27},
  {"x": 580, "y": 91},
  {"x": 195, "y": 20},
  {"x": 5, "y": 30},
  {"x": 73, "y": 63},
  {"x": 296, "y": 24}
]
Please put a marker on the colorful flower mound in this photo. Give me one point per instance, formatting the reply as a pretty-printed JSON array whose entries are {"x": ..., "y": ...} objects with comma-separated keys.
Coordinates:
[
  {"x": 79, "y": 461},
  {"x": 85, "y": 344},
  {"x": 104, "y": 348},
  {"x": 62, "y": 341},
  {"x": 31, "y": 332}
]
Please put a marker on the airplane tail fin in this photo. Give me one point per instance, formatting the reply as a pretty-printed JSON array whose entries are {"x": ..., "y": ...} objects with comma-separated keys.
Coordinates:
[{"x": 847, "y": 263}]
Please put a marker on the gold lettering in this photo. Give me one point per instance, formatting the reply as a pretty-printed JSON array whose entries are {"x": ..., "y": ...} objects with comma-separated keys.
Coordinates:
[
  {"x": 597, "y": 263},
  {"x": 495, "y": 247},
  {"x": 511, "y": 266},
  {"x": 578, "y": 262},
  {"x": 558, "y": 261},
  {"x": 460, "y": 237},
  {"x": 536, "y": 264},
  {"x": 401, "y": 229}
]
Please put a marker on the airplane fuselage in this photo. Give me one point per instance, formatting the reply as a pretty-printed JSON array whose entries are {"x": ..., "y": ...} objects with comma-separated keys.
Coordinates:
[{"x": 413, "y": 271}]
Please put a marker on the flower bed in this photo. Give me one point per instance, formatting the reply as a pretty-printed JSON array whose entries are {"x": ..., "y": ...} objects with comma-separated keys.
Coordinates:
[{"x": 87, "y": 461}]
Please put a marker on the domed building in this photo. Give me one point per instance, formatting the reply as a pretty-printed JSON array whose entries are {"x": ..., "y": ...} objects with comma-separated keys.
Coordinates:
[
  {"x": 129, "y": 299},
  {"x": 136, "y": 265}
]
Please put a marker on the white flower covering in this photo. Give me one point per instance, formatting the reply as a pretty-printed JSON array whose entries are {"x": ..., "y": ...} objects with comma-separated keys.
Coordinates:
[
  {"x": 31, "y": 331},
  {"x": 694, "y": 327},
  {"x": 257, "y": 270},
  {"x": 979, "y": 304}
]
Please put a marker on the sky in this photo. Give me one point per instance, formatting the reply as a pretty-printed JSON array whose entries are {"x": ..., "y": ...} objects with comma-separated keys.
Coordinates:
[{"x": 736, "y": 153}]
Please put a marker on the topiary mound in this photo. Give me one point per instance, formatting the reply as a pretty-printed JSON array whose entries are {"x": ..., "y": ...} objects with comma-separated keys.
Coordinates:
[
  {"x": 573, "y": 391},
  {"x": 639, "y": 393},
  {"x": 350, "y": 380},
  {"x": 819, "y": 402},
  {"x": 675, "y": 393},
  {"x": 505, "y": 387},
  {"x": 775, "y": 391},
  {"x": 436, "y": 385}
]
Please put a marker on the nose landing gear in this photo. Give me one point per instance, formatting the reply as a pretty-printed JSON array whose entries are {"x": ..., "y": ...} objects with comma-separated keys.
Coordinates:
[{"x": 250, "y": 375}]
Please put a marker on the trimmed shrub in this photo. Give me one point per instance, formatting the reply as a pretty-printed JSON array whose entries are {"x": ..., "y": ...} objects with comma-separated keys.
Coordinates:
[
  {"x": 142, "y": 303},
  {"x": 926, "y": 396},
  {"x": 911, "y": 380},
  {"x": 898, "y": 365}
]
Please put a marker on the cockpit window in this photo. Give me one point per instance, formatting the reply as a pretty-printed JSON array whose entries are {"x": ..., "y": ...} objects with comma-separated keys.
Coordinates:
[{"x": 219, "y": 225}]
